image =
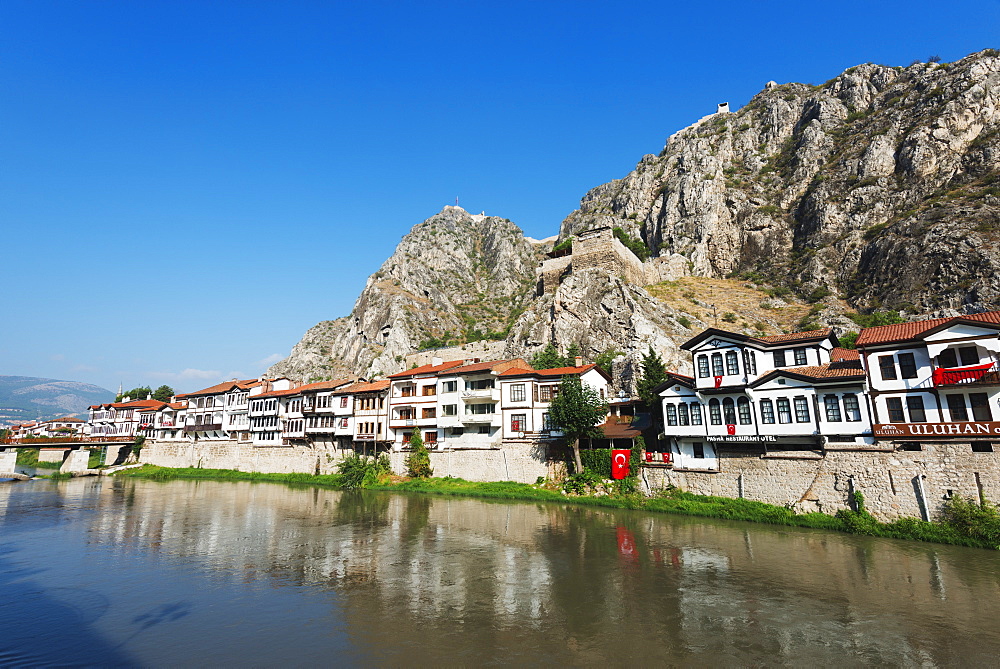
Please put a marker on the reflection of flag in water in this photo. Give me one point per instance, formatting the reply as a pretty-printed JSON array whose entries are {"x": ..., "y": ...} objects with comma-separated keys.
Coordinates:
[{"x": 626, "y": 545}]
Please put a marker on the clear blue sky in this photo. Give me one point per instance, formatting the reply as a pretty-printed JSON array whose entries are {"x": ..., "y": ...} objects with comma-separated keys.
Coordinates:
[{"x": 186, "y": 187}]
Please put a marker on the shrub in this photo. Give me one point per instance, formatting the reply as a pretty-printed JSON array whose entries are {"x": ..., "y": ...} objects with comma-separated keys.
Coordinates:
[
  {"x": 684, "y": 321},
  {"x": 359, "y": 471},
  {"x": 819, "y": 293},
  {"x": 979, "y": 521},
  {"x": 418, "y": 462},
  {"x": 729, "y": 317}
]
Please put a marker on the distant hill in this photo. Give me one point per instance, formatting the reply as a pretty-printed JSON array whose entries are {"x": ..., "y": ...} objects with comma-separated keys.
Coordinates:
[{"x": 29, "y": 398}]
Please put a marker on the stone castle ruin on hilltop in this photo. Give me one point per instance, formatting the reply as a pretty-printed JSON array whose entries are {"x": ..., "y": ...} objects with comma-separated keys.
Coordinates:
[{"x": 599, "y": 247}]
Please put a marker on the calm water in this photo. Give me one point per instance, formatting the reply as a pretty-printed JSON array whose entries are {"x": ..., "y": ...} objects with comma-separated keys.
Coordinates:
[{"x": 98, "y": 571}]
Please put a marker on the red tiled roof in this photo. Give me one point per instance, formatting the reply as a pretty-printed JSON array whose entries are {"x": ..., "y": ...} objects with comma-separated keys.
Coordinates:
[
  {"x": 177, "y": 405},
  {"x": 886, "y": 334},
  {"x": 556, "y": 371},
  {"x": 223, "y": 387},
  {"x": 796, "y": 336},
  {"x": 363, "y": 387},
  {"x": 818, "y": 372},
  {"x": 426, "y": 369},
  {"x": 616, "y": 430},
  {"x": 323, "y": 385},
  {"x": 139, "y": 404},
  {"x": 279, "y": 393},
  {"x": 493, "y": 364},
  {"x": 843, "y": 354}
]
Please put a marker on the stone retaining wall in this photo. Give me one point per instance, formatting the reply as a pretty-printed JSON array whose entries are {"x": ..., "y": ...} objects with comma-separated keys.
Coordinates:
[
  {"x": 890, "y": 481},
  {"x": 521, "y": 462}
]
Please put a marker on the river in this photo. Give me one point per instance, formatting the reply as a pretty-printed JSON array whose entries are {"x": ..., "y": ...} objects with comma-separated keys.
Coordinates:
[{"x": 131, "y": 572}]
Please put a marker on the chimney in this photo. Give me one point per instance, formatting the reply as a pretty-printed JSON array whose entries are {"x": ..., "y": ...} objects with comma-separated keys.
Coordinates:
[{"x": 578, "y": 361}]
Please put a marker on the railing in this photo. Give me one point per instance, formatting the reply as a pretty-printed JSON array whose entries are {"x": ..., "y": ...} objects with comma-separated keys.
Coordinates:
[
  {"x": 979, "y": 375},
  {"x": 204, "y": 427}
]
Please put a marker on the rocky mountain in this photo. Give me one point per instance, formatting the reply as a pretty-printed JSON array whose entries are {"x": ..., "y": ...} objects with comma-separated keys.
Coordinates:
[
  {"x": 454, "y": 277},
  {"x": 881, "y": 184},
  {"x": 28, "y": 398},
  {"x": 877, "y": 189}
]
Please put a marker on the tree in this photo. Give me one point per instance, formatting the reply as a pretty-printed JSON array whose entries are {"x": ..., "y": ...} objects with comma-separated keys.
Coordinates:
[
  {"x": 163, "y": 393},
  {"x": 140, "y": 393},
  {"x": 605, "y": 360},
  {"x": 549, "y": 358},
  {"x": 653, "y": 374},
  {"x": 418, "y": 462},
  {"x": 576, "y": 411}
]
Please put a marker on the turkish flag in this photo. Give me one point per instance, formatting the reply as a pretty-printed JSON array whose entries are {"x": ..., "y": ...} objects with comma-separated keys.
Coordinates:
[
  {"x": 730, "y": 429},
  {"x": 619, "y": 463},
  {"x": 718, "y": 382}
]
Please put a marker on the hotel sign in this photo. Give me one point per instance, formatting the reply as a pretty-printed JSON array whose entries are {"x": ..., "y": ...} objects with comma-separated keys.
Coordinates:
[
  {"x": 741, "y": 438},
  {"x": 966, "y": 430}
]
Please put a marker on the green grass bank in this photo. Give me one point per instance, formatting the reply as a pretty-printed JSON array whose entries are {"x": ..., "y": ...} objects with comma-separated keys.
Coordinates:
[{"x": 964, "y": 523}]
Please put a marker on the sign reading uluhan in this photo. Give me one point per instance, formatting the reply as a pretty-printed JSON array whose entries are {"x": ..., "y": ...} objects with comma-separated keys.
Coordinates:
[{"x": 969, "y": 430}]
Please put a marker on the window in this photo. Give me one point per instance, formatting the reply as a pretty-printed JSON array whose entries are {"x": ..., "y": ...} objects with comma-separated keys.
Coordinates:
[
  {"x": 406, "y": 414},
  {"x": 832, "y": 408},
  {"x": 743, "y": 407},
  {"x": 671, "y": 413},
  {"x": 969, "y": 355},
  {"x": 406, "y": 437},
  {"x": 457, "y": 431},
  {"x": 449, "y": 386},
  {"x": 430, "y": 437},
  {"x": 717, "y": 364},
  {"x": 766, "y": 412},
  {"x": 547, "y": 422},
  {"x": 683, "y": 417},
  {"x": 518, "y": 422},
  {"x": 429, "y": 390},
  {"x": 907, "y": 366},
  {"x": 407, "y": 391},
  {"x": 729, "y": 411},
  {"x": 801, "y": 410},
  {"x": 779, "y": 358},
  {"x": 895, "y": 407},
  {"x": 910, "y": 446},
  {"x": 480, "y": 384},
  {"x": 732, "y": 363},
  {"x": 715, "y": 412},
  {"x": 947, "y": 358},
  {"x": 852, "y": 410},
  {"x": 449, "y": 410},
  {"x": 956, "y": 407},
  {"x": 483, "y": 429},
  {"x": 887, "y": 364},
  {"x": 703, "y": 366},
  {"x": 980, "y": 406},
  {"x": 915, "y": 407},
  {"x": 784, "y": 410},
  {"x": 517, "y": 392},
  {"x": 428, "y": 413},
  {"x": 479, "y": 409},
  {"x": 800, "y": 356},
  {"x": 982, "y": 447},
  {"x": 699, "y": 449},
  {"x": 695, "y": 413},
  {"x": 749, "y": 361},
  {"x": 343, "y": 402}
]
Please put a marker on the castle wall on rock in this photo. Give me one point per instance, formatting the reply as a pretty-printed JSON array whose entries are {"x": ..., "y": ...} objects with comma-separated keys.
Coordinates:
[
  {"x": 892, "y": 482},
  {"x": 520, "y": 462},
  {"x": 599, "y": 248}
]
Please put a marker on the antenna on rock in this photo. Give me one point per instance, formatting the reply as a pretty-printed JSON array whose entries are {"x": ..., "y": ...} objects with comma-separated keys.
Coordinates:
[{"x": 456, "y": 200}]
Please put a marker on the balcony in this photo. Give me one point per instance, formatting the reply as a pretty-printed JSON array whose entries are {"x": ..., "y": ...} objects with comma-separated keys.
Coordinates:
[
  {"x": 204, "y": 427},
  {"x": 481, "y": 419},
  {"x": 492, "y": 394},
  {"x": 971, "y": 375}
]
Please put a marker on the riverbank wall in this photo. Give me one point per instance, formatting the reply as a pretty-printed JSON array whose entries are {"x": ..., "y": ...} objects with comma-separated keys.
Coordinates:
[
  {"x": 895, "y": 483},
  {"x": 520, "y": 462}
]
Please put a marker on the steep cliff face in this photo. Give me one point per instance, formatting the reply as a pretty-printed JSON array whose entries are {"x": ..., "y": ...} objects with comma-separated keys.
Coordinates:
[
  {"x": 882, "y": 184},
  {"x": 455, "y": 275}
]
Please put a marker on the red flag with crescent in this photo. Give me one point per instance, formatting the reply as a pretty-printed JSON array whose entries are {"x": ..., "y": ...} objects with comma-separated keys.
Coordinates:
[
  {"x": 718, "y": 382},
  {"x": 730, "y": 429},
  {"x": 619, "y": 463}
]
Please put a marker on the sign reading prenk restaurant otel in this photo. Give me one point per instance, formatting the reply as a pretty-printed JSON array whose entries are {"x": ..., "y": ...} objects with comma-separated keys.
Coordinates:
[
  {"x": 967, "y": 430},
  {"x": 741, "y": 438}
]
